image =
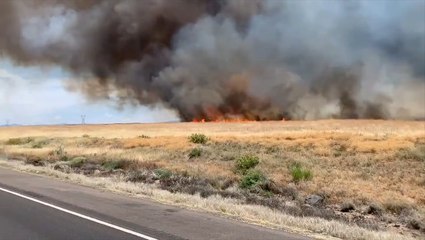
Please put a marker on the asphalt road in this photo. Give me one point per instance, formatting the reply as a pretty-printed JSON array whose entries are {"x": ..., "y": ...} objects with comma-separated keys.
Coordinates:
[{"x": 22, "y": 218}]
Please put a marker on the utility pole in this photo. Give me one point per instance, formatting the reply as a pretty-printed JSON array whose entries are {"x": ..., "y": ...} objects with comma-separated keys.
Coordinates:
[{"x": 83, "y": 119}]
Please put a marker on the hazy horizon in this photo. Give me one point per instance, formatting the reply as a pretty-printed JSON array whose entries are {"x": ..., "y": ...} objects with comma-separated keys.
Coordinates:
[{"x": 24, "y": 86}]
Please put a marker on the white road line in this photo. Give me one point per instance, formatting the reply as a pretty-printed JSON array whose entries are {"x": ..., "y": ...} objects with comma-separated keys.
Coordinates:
[{"x": 81, "y": 215}]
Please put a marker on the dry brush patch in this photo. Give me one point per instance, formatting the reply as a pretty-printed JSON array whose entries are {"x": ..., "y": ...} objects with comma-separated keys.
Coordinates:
[
  {"x": 314, "y": 227},
  {"x": 369, "y": 173}
]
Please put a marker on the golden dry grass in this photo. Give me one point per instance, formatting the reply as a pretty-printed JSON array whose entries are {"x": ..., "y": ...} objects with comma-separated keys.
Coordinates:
[
  {"x": 349, "y": 158},
  {"x": 363, "y": 161},
  {"x": 372, "y": 128}
]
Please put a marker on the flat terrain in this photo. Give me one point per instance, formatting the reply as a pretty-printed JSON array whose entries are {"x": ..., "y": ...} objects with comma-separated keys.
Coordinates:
[
  {"x": 369, "y": 172},
  {"x": 24, "y": 219}
]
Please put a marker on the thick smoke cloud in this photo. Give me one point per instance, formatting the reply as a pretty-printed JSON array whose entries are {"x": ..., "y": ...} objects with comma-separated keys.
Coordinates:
[{"x": 251, "y": 59}]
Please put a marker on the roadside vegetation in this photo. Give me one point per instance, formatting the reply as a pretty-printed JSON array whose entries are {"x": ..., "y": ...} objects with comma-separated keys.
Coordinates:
[
  {"x": 194, "y": 153},
  {"x": 367, "y": 174},
  {"x": 299, "y": 173},
  {"x": 198, "y": 138}
]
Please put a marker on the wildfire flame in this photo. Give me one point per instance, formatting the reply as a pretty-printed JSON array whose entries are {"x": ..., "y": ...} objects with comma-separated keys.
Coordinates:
[
  {"x": 213, "y": 114},
  {"x": 235, "y": 120},
  {"x": 223, "y": 118}
]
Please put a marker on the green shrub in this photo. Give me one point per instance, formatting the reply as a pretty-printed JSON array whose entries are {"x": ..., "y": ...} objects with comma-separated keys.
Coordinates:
[
  {"x": 252, "y": 178},
  {"x": 163, "y": 173},
  {"x": 19, "y": 141},
  {"x": 114, "y": 164},
  {"x": 77, "y": 162},
  {"x": 86, "y": 136},
  {"x": 198, "y": 138},
  {"x": 299, "y": 173},
  {"x": 244, "y": 163},
  {"x": 194, "y": 153}
]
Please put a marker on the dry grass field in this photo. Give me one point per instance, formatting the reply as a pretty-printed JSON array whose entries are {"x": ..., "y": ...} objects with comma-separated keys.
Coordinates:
[{"x": 367, "y": 173}]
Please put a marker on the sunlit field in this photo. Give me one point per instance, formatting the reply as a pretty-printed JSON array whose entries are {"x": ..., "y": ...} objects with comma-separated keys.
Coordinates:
[{"x": 361, "y": 165}]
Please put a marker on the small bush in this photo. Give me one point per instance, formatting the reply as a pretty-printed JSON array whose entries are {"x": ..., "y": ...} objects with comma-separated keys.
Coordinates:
[
  {"x": 374, "y": 209},
  {"x": 288, "y": 191},
  {"x": 77, "y": 162},
  {"x": 86, "y": 136},
  {"x": 252, "y": 178},
  {"x": 244, "y": 163},
  {"x": 147, "y": 165},
  {"x": 114, "y": 164},
  {"x": 417, "y": 153},
  {"x": 140, "y": 176},
  {"x": 39, "y": 144},
  {"x": 194, "y": 153},
  {"x": 163, "y": 173},
  {"x": 35, "y": 161},
  {"x": 339, "y": 149},
  {"x": 58, "y": 154},
  {"x": 18, "y": 141},
  {"x": 397, "y": 207},
  {"x": 272, "y": 149},
  {"x": 300, "y": 174},
  {"x": 417, "y": 224},
  {"x": 144, "y": 136},
  {"x": 271, "y": 202},
  {"x": 198, "y": 138},
  {"x": 347, "y": 207}
]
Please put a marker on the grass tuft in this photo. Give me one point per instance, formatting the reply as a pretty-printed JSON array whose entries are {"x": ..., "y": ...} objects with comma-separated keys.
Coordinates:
[
  {"x": 19, "y": 141},
  {"x": 35, "y": 161},
  {"x": 348, "y": 207},
  {"x": 252, "y": 179},
  {"x": 77, "y": 162},
  {"x": 194, "y": 153},
  {"x": 299, "y": 173},
  {"x": 198, "y": 138},
  {"x": 163, "y": 173},
  {"x": 397, "y": 207},
  {"x": 59, "y": 154},
  {"x": 244, "y": 163},
  {"x": 39, "y": 144},
  {"x": 417, "y": 153},
  {"x": 114, "y": 164}
]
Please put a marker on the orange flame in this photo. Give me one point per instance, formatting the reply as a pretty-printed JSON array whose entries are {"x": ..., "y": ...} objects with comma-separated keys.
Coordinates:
[
  {"x": 222, "y": 119},
  {"x": 213, "y": 114},
  {"x": 198, "y": 120},
  {"x": 228, "y": 119}
]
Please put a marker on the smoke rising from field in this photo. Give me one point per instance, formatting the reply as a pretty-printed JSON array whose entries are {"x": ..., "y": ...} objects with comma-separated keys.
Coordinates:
[{"x": 251, "y": 59}]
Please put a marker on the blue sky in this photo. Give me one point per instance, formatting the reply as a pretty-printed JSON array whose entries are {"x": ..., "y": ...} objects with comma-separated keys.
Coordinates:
[{"x": 34, "y": 95}]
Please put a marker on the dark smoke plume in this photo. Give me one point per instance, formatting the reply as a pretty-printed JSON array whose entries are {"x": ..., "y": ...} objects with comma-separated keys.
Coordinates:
[{"x": 218, "y": 59}]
